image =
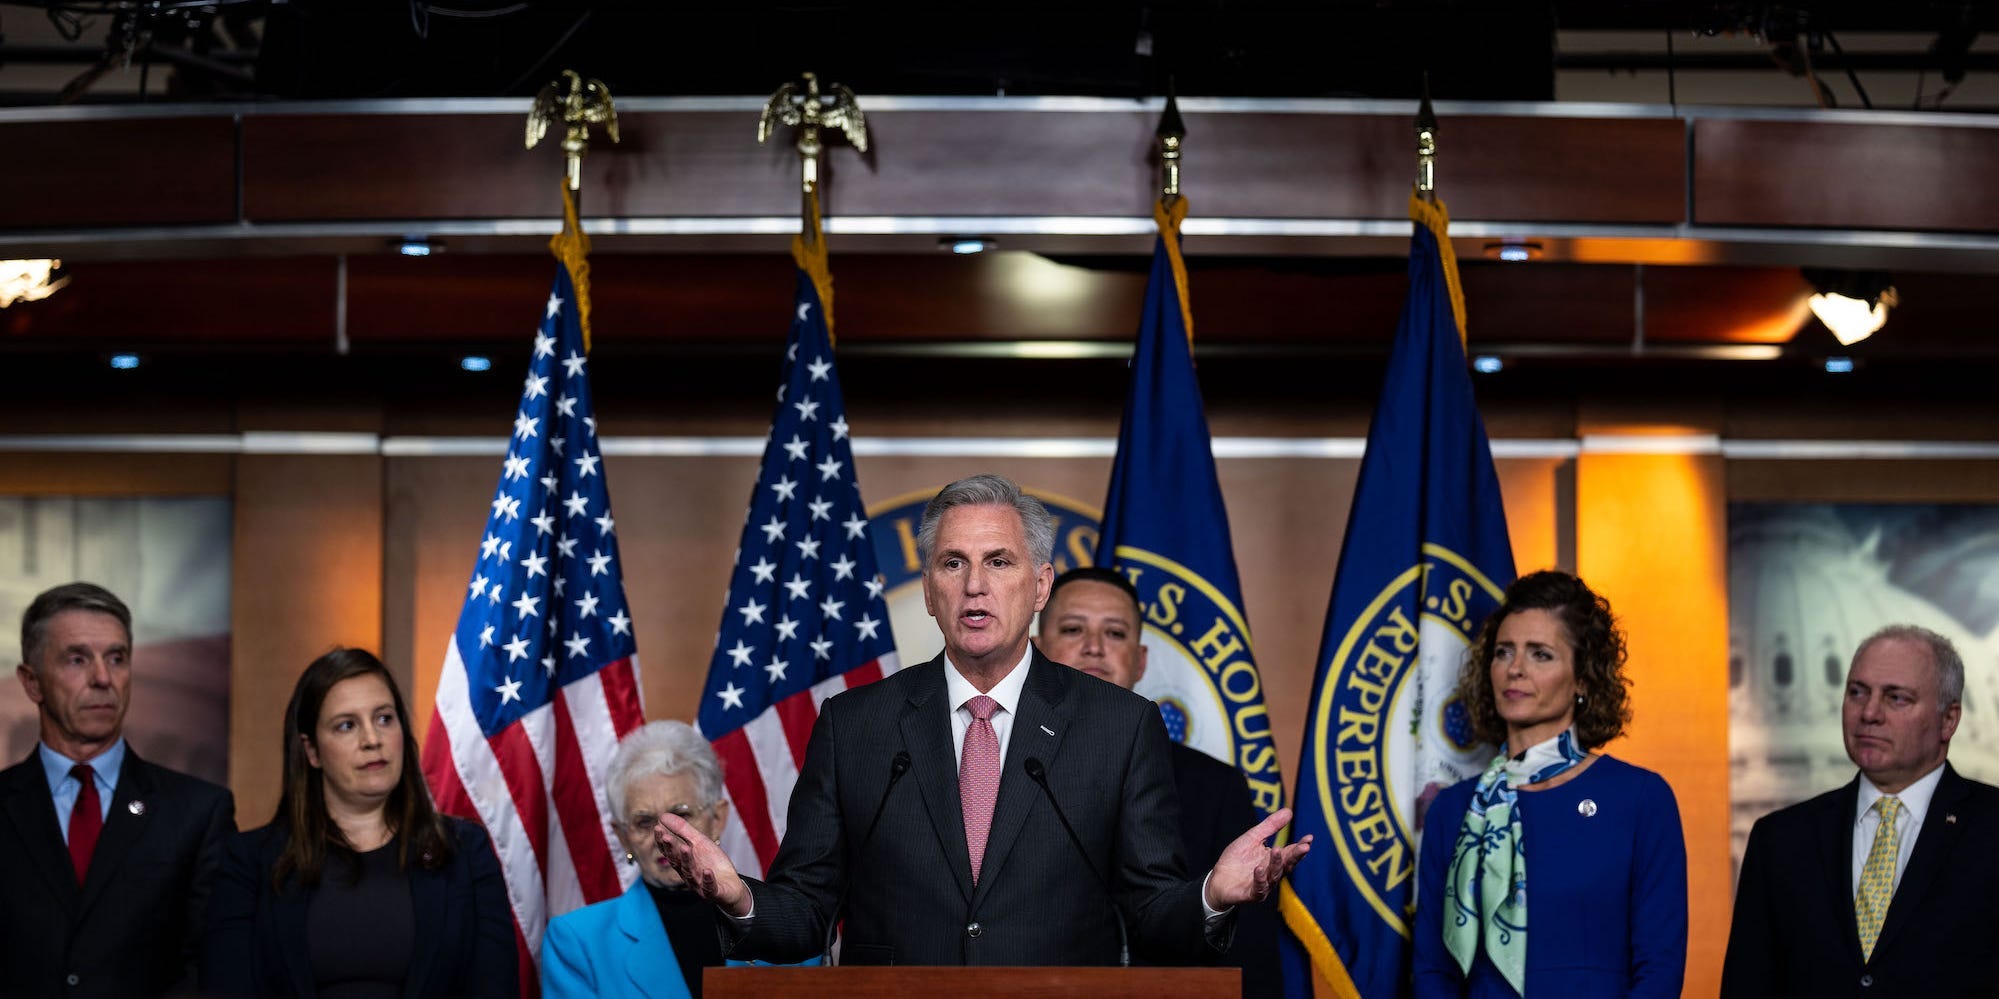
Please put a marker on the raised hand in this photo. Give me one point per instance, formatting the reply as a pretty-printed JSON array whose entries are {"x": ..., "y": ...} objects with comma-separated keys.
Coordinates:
[
  {"x": 702, "y": 864},
  {"x": 1248, "y": 870}
]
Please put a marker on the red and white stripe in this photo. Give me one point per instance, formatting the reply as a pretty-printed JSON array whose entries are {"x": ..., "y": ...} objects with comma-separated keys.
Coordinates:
[
  {"x": 760, "y": 763},
  {"x": 538, "y": 788}
]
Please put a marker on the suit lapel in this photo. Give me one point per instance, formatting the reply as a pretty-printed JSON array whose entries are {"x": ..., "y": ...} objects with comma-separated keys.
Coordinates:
[
  {"x": 134, "y": 812},
  {"x": 1939, "y": 836},
  {"x": 32, "y": 809},
  {"x": 1041, "y": 712},
  {"x": 1836, "y": 849},
  {"x": 428, "y": 889},
  {"x": 926, "y": 730},
  {"x": 647, "y": 950}
]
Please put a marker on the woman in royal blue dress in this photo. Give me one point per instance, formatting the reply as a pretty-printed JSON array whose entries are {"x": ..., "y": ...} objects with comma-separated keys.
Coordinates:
[{"x": 1590, "y": 844}]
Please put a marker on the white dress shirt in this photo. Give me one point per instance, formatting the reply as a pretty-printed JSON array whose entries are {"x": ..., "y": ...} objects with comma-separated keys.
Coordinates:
[
  {"x": 1908, "y": 821},
  {"x": 1007, "y": 692}
]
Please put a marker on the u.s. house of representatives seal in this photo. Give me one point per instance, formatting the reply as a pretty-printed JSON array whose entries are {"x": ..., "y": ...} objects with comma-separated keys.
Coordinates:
[
  {"x": 1387, "y": 729},
  {"x": 1198, "y": 665}
]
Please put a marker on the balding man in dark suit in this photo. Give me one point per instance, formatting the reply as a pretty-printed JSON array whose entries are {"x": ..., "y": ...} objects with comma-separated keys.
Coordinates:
[
  {"x": 971, "y": 863},
  {"x": 1889, "y": 886}
]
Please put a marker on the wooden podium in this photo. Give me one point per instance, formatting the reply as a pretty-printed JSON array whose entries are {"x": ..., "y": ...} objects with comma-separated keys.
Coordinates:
[{"x": 896, "y": 982}]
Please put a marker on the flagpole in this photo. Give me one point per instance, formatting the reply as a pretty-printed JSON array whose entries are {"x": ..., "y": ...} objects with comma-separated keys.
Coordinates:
[
  {"x": 1171, "y": 209},
  {"x": 586, "y": 103},
  {"x": 801, "y": 104},
  {"x": 1426, "y": 146},
  {"x": 1426, "y": 209}
]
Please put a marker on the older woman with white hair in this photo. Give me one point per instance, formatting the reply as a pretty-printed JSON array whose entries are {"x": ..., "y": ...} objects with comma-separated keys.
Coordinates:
[{"x": 653, "y": 940}]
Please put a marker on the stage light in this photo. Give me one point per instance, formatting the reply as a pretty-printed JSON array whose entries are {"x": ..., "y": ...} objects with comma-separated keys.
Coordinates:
[
  {"x": 473, "y": 362},
  {"x": 124, "y": 362},
  {"x": 1513, "y": 251},
  {"x": 29, "y": 280},
  {"x": 1487, "y": 364},
  {"x": 1838, "y": 365},
  {"x": 1852, "y": 304}
]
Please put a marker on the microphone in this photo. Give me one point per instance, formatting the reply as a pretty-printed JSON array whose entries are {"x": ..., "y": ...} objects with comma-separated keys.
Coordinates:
[
  {"x": 896, "y": 768},
  {"x": 1039, "y": 775}
]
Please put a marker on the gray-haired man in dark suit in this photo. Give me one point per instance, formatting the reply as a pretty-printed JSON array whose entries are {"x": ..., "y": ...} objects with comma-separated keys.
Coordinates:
[
  {"x": 971, "y": 863},
  {"x": 105, "y": 859}
]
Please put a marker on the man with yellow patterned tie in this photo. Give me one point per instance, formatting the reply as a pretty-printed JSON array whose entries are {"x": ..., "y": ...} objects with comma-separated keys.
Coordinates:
[{"x": 1889, "y": 886}]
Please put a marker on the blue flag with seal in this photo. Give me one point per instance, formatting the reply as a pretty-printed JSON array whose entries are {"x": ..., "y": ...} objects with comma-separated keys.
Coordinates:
[
  {"x": 1425, "y": 560},
  {"x": 1165, "y": 527}
]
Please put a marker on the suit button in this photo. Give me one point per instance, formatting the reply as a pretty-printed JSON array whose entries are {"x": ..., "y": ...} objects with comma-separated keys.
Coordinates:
[
  {"x": 974, "y": 930},
  {"x": 1866, "y": 980}
]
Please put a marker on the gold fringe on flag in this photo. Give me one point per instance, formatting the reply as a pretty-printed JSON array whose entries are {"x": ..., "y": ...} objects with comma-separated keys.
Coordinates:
[
  {"x": 1168, "y": 217},
  {"x": 572, "y": 247},
  {"x": 1433, "y": 214},
  {"x": 808, "y": 248}
]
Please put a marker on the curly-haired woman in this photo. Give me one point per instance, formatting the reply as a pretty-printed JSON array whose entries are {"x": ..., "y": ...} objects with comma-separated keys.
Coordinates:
[{"x": 1591, "y": 843}]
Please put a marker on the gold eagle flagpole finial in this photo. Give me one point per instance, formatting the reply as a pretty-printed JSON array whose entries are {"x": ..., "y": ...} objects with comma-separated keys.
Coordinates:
[
  {"x": 802, "y": 105},
  {"x": 587, "y": 103}
]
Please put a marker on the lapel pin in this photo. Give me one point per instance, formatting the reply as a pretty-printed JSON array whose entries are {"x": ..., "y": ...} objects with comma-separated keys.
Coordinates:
[
  {"x": 1048, "y": 730},
  {"x": 136, "y": 808},
  {"x": 1586, "y": 808},
  {"x": 1951, "y": 818}
]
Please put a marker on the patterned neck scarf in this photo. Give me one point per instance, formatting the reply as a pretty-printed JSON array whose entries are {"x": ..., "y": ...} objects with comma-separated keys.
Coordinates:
[{"x": 1485, "y": 893}]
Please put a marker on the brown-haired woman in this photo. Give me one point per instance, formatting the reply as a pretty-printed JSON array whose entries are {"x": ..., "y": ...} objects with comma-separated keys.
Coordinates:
[
  {"x": 1601, "y": 837},
  {"x": 358, "y": 888}
]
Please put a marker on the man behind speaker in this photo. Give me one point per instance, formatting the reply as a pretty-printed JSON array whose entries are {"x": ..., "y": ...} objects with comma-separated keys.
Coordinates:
[
  {"x": 105, "y": 859},
  {"x": 970, "y": 863},
  {"x": 1889, "y": 886},
  {"x": 1093, "y": 623}
]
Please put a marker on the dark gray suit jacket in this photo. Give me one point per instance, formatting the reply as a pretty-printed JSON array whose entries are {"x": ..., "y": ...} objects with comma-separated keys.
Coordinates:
[
  {"x": 1794, "y": 932},
  {"x": 129, "y": 930},
  {"x": 910, "y": 894}
]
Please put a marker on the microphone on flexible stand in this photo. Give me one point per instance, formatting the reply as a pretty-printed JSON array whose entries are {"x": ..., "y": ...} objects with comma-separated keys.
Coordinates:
[
  {"x": 1039, "y": 775},
  {"x": 896, "y": 768}
]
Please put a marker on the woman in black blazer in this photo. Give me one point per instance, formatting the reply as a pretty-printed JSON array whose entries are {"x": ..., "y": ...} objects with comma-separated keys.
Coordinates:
[{"x": 358, "y": 888}]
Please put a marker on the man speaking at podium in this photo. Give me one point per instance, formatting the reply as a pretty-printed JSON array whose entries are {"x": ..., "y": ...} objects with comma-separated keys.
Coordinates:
[{"x": 988, "y": 807}]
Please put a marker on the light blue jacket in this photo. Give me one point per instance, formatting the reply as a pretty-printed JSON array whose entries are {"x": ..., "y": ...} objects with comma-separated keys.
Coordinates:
[{"x": 616, "y": 949}]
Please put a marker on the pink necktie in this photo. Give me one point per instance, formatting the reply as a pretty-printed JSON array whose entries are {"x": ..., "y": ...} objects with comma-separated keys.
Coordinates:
[{"x": 979, "y": 778}]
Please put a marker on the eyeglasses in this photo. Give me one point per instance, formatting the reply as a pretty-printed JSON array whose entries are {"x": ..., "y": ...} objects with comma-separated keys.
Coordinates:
[{"x": 647, "y": 820}]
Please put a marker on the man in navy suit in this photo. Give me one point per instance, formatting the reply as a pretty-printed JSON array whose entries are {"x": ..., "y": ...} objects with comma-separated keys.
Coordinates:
[
  {"x": 1093, "y": 622},
  {"x": 970, "y": 862},
  {"x": 1888, "y": 886},
  {"x": 105, "y": 859}
]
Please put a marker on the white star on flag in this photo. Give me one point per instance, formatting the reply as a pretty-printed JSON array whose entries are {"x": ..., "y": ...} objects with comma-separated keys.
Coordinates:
[{"x": 508, "y": 691}]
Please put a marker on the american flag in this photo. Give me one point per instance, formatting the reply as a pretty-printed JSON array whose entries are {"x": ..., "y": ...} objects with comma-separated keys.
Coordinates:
[
  {"x": 806, "y": 617},
  {"x": 541, "y": 676}
]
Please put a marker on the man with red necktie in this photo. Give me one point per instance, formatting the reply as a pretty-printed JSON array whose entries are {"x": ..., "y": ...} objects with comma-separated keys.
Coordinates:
[{"x": 105, "y": 859}]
